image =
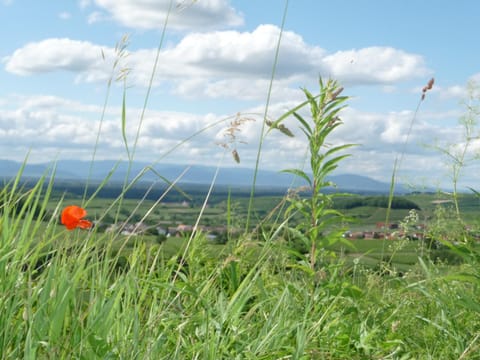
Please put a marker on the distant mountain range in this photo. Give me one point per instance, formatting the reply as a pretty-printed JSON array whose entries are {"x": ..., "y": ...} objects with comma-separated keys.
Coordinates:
[{"x": 197, "y": 174}]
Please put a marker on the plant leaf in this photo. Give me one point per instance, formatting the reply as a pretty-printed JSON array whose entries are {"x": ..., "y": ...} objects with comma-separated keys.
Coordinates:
[{"x": 299, "y": 173}]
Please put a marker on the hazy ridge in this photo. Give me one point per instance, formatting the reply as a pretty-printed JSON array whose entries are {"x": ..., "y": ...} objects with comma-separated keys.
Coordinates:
[{"x": 196, "y": 174}]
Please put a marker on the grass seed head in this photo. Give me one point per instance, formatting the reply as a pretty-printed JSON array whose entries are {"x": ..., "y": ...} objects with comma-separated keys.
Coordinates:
[{"x": 427, "y": 87}]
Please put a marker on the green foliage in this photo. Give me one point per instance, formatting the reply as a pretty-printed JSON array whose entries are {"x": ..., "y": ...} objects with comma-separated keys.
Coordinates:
[
  {"x": 352, "y": 202},
  {"x": 459, "y": 155},
  {"x": 317, "y": 210}
]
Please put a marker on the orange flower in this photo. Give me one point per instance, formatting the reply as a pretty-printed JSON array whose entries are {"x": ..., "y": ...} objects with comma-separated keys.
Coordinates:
[{"x": 72, "y": 218}]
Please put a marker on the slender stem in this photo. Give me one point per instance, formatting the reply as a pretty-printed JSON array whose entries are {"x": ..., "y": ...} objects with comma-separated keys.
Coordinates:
[{"x": 257, "y": 162}]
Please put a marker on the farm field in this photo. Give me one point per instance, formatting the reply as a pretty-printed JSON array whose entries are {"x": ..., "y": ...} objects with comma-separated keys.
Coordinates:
[{"x": 217, "y": 216}]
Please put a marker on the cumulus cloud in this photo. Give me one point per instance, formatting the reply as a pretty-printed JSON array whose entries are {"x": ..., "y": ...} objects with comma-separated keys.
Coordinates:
[
  {"x": 375, "y": 65},
  {"x": 451, "y": 92},
  {"x": 56, "y": 54},
  {"x": 64, "y": 126},
  {"x": 233, "y": 53},
  {"x": 222, "y": 63},
  {"x": 187, "y": 14},
  {"x": 68, "y": 129}
]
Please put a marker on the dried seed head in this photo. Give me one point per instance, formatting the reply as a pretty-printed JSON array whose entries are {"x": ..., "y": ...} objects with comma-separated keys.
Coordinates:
[
  {"x": 427, "y": 87},
  {"x": 235, "y": 155},
  {"x": 336, "y": 93},
  {"x": 334, "y": 121},
  {"x": 231, "y": 135},
  {"x": 430, "y": 84},
  {"x": 284, "y": 130}
]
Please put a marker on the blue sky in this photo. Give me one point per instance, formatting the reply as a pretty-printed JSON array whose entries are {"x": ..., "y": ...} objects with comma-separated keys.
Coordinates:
[{"x": 57, "y": 57}]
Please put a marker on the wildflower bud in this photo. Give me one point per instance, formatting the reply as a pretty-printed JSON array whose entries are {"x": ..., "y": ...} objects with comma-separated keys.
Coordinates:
[{"x": 336, "y": 93}]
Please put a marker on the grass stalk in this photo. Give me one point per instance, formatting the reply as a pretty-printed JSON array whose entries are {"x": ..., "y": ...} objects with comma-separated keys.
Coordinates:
[{"x": 262, "y": 131}]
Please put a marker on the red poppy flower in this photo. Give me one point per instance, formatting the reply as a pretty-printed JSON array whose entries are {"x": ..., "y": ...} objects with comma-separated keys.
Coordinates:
[{"x": 72, "y": 218}]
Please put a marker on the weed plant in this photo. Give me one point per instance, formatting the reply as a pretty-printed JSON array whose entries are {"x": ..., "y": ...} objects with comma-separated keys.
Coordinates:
[{"x": 78, "y": 295}]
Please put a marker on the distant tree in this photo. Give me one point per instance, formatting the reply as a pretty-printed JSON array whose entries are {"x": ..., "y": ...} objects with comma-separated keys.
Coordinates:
[
  {"x": 375, "y": 201},
  {"x": 161, "y": 238}
]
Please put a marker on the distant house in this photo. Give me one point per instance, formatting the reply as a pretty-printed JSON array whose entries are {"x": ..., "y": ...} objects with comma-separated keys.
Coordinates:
[
  {"x": 382, "y": 225},
  {"x": 128, "y": 228},
  {"x": 162, "y": 230},
  {"x": 182, "y": 228},
  {"x": 211, "y": 237},
  {"x": 373, "y": 235}
]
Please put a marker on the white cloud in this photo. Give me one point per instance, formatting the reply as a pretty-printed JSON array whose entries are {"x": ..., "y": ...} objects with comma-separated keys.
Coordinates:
[
  {"x": 84, "y": 3},
  {"x": 470, "y": 90},
  {"x": 56, "y": 54},
  {"x": 68, "y": 129},
  {"x": 199, "y": 15},
  {"x": 63, "y": 126},
  {"x": 233, "y": 53},
  {"x": 475, "y": 78},
  {"x": 451, "y": 92},
  {"x": 64, "y": 15},
  {"x": 222, "y": 63},
  {"x": 375, "y": 65},
  {"x": 95, "y": 16}
]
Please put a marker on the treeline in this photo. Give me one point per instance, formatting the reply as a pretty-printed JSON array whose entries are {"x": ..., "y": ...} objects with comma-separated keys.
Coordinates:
[
  {"x": 193, "y": 193},
  {"x": 374, "y": 201}
]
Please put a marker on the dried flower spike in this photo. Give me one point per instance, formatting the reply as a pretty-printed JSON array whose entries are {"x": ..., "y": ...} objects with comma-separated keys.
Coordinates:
[
  {"x": 235, "y": 155},
  {"x": 336, "y": 93},
  {"x": 284, "y": 130},
  {"x": 430, "y": 84},
  {"x": 427, "y": 87}
]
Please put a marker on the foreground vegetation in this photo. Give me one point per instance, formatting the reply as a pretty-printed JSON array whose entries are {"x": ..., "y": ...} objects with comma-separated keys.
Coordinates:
[{"x": 70, "y": 296}]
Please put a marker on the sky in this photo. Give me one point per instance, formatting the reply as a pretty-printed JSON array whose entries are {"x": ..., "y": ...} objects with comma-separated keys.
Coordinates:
[{"x": 66, "y": 68}]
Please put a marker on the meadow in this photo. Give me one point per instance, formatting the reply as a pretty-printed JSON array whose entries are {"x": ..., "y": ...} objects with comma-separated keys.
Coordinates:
[
  {"x": 285, "y": 283},
  {"x": 88, "y": 294}
]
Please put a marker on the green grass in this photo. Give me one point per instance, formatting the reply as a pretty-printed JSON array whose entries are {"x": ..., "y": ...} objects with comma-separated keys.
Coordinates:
[{"x": 250, "y": 300}]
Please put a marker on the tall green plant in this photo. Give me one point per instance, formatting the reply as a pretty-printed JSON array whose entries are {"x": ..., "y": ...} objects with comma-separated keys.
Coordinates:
[
  {"x": 460, "y": 154},
  {"x": 316, "y": 208}
]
